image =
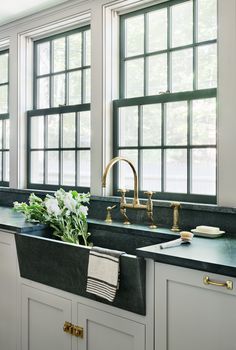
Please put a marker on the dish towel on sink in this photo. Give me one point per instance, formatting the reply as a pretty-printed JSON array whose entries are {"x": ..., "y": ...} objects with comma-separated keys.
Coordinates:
[{"x": 103, "y": 272}]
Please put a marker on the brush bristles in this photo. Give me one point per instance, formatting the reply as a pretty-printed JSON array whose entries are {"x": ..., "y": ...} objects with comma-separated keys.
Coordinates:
[{"x": 186, "y": 235}]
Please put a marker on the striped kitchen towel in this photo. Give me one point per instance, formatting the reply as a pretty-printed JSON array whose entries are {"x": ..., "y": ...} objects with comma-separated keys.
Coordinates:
[{"x": 103, "y": 272}]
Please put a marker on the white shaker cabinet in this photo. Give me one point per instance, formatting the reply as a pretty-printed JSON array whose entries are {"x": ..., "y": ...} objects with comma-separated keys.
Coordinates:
[
  {"x": 191, "y": 314},
  {"x": 104, "y": 331},
  {"x": 42, "y": 320},
  {"x": 8, "y": 292},
  {"x": 44, "y": 313}
]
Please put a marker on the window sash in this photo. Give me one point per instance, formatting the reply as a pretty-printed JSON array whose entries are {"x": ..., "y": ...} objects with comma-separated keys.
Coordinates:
[
  {"x": 65, "y": 71},
  {"x": 169, "y": 50},
  {"x": 60, "y": 149},
  {"x": 161, "y": 99}
]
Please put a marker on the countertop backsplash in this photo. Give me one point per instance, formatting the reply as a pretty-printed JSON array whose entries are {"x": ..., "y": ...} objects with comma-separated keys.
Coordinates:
[{"x": 191, "y": 215}]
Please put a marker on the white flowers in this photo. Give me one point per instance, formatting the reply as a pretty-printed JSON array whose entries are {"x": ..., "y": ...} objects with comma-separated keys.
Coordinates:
[
  {"x": 52, "y": 206},
  {"x": 64, "y": 212},
  {"x": 70, "y": 203},
  {"x": 83, "y": 210}
]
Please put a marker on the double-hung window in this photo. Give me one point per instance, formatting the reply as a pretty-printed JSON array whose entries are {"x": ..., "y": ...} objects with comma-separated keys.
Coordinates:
[
  {"x": 4, "y": 118},
  {"x": 165, "y": 117},
  {"x": 59, "y": 124}
]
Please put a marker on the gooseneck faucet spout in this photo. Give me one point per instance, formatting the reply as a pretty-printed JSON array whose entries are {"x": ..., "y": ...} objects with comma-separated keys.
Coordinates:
[
  {"x": 108, "y": 168},
  {"x": 135, "y": 204}
]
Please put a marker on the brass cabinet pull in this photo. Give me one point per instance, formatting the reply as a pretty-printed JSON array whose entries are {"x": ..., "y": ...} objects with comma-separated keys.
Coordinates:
[
  {"x": 227, "y": 284},
  {"x": 73, "y": 330}
]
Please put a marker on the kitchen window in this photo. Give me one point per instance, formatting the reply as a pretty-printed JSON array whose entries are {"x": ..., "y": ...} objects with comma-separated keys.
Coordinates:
[
  {"x": 59, "y": 124},
  {"x": 165, "y": 118},
  {"x": 4, "y": 118}
]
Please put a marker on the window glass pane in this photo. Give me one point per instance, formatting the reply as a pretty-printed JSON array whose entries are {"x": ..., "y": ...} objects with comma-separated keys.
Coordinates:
[
  {"x": 43, "y": 93},
  {"x": 7, "y": 133},
  {"x": 52, "y": 168},
  {"x": 151, "y": 125},
  {"x": 36, "y": 167},
  {"x": 4, "y": 99},
  {"x": 37, "y": 132},
  {"x": 134, "y": 77},
  {"x": 6, "y": 166},
  {"x": 84, "y": 168},
  {"x": 204, "y": 122},
  {"x": 87, "y": 87},
  {"x": 207, "y": 66},
  {"x": 1, "y": 140},
  {"x": 74, "y": 87},
  {"x": 126, "y": 176},
  {"x": 157, "y": 74},
  {"x": 176, "y": 123},
  {"x": 53, "y": 131},
  {"x": 69, "y": 130},
  {"x": 88, "y": 48},
  {"x": 58, "y": 46},
  {"x": 182, "y": 70},
  {"x": 207, "y": 19},
  {"x": 157, "y": 30},
  {"x": 68, "y": 171},
  {"x": 58, "y": 90},
  {"x": 3, "y": 68},
  {"x": 182, "y": 24},
  {"x": 176, "y": 170},
  {"x": 134, "y": 38},
  {"x": 128, "y": 126},
  {"x": 75, "y": 50},
  {"x": 204, "y": 171},
  {"x": 151, "y": 170},
  {"x": 84, "y": 129},
  {"x": 43, "y": 58}
]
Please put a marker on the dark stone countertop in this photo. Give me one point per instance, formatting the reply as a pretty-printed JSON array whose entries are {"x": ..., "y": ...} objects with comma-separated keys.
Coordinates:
[
  {"x": 216, "y": 255},
  {"x": 12, "y": 221}
]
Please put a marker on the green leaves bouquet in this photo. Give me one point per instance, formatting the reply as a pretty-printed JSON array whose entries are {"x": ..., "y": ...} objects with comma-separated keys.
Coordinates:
[{"x": 65, "y": 212}]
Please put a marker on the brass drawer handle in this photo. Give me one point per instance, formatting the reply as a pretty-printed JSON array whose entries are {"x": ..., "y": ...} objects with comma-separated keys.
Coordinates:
[
  {"x": 227, "y": 284},
  {"x": 73, "y": 330}
]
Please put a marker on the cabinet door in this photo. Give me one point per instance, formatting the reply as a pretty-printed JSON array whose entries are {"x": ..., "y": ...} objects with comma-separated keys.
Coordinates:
[
  {"x": 8, "y": 265},
  {"x": 192, "y": 315},
  {"x": 43, "y": 317},
  {"x": 104, "y": 331}
]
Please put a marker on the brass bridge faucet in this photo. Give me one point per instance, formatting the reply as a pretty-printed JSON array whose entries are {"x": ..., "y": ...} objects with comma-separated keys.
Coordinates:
[{"x": 135, "y": 204}]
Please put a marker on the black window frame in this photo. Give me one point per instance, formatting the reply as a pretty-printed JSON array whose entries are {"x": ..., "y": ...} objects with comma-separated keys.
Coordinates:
[
  {"x": 60, "y": 110},
  {"x": 162, "y": 98},
  {"x": 3, "y": 118}
]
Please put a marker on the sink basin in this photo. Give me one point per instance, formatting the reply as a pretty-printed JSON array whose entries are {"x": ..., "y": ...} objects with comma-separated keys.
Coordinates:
[{"x": 47, "y": 260}]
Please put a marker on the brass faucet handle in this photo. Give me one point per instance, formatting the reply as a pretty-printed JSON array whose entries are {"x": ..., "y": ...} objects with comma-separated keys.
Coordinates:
[
  {"x": 175, "y": 205},
  {"x": 149, "y": 193},
  {"x": 123, "y": 191},
  {"x": 108, "y": 217}
]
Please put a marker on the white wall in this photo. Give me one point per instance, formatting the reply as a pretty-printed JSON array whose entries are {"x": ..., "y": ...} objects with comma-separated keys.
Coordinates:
[{"x": 103, "y": 15}]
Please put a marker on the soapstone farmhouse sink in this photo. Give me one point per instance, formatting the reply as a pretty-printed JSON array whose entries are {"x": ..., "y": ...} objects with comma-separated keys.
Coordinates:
[{"x": 47, "y": 260}]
